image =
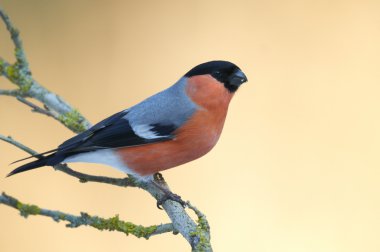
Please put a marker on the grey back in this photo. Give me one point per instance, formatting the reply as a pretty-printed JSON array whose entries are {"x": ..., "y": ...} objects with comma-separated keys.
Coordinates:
[{"x": 171, "y": 106}]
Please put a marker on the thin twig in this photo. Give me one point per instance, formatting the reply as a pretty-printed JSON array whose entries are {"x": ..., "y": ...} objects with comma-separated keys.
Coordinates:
[
  {"x": 19, "y": 145},
  {"x": 37, "y": 109},
  {"x": 111, "y": 224},
  {"x": 123, "y": 182},
  {"x": 13, "y": 92},
  {"x": 19, "y": 50},
  {"x": 199, "y": 214}
]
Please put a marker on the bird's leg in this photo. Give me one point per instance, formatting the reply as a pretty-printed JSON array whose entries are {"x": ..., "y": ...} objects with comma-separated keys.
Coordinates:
[{"x": 160, "y": 183}]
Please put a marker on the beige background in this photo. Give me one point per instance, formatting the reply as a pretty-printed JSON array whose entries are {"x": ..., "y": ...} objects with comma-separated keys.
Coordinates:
[{"x": 297, "y": 166}]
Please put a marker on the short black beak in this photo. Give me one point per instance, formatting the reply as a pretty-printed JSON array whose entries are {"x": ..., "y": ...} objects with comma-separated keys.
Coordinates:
[{"x": 238, "y": 78}]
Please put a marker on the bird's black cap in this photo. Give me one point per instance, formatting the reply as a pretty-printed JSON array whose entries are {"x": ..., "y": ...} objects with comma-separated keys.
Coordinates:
[{"x": 224, "y": 71}]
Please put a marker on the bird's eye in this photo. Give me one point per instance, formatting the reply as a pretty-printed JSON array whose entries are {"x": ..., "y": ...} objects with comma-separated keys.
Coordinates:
[{"x": 217, "y": 73}]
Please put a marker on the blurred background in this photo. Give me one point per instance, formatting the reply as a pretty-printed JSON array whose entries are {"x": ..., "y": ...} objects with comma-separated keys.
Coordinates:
[{"x": 297, "y": 166}]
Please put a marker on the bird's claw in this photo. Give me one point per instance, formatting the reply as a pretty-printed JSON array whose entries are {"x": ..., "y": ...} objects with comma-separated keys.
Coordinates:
[
  {"x": 170, "y": 196},
  {"x": 158, "y": 177},
  {"x": 160, "y": 183}
]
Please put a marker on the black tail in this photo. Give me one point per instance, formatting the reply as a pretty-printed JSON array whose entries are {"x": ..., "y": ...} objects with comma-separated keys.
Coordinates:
[
  {"x": 39, "y": 155},
  {"x": 50, "y": 160}
]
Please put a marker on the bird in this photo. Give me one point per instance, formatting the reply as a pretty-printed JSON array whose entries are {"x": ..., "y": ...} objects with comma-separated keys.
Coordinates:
[{"x": 175, "y": 126}]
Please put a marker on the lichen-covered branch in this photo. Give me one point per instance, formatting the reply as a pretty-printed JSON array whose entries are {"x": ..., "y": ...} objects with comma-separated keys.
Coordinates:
[
  {"x": 18, "y": 73},
  {"x": 202, "y": 233},
  {"x": 19, "y": 50},
  {"x": 84, "y": 219}
]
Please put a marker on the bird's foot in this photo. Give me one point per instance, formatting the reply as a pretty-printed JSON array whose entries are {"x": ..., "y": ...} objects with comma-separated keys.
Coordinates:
[
  {"x": 168, "y": 195},
  {"x": 159, "y": 178},
  {"x": 160, "y": 183}
]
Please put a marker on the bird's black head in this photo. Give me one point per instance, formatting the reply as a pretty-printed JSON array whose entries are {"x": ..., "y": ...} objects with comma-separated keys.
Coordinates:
[{"x": 225, "y": 72}]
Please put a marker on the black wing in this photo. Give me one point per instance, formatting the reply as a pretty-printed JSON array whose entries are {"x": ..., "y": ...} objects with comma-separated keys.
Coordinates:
[
  {"x": 114, "y": 132},
  {"x": 81, "y": 138}
]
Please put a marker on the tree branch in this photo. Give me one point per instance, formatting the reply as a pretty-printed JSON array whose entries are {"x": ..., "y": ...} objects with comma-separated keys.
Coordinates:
[
  {"x": 20, "y": 75},
  {"x": 197, "y": 234},
  {"x": 19, "y": 50},
  {"x": 37, "y": 109},
  {"x": 111, "y": 224},
  {"x": 13, "y": 92}
]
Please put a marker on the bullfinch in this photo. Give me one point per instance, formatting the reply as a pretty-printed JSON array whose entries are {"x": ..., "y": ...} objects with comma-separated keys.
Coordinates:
[{"x": 170, "y": 128}]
